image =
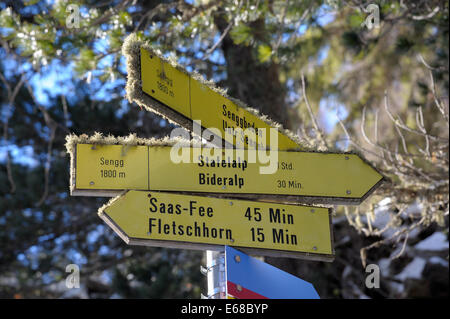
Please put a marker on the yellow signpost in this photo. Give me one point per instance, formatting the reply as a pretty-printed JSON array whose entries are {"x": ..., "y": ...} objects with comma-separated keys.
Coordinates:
[
  {"x": 195, "y": 100},
  {"x": 200, "y": 198},
  {"x": 198, "y": 222},
  {"x": 165, "y": 83},
  {"x": 298, "y": 177}
]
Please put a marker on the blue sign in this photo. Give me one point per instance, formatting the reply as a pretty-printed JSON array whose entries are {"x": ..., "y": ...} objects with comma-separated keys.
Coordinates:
[{"x": 250, "y": 278}]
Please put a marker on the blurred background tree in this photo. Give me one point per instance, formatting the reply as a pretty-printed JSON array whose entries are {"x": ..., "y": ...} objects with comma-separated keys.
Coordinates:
[{"x": 319, "y": 68}]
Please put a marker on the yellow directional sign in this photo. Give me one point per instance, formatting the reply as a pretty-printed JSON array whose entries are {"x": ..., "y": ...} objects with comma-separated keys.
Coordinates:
[
  {"x": 197, "y": 222},
  {"x": 165, "y": 83},
  {"x": 300, "y": 177},
  {"x": 190, "y": 99}
]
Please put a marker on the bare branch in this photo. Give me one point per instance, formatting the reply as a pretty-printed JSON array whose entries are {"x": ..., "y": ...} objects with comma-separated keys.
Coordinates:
[
  {"x": 400, "y": 123},
  {"x": 225, "y": 32},
  {"x": 427, "y": 16},
  {"x": 319, "y": 132},
  {"x": 400, "y": 253},
  {"x": 281, "y": 26},
  {"x": 436, "y": 100},
  {"x": 12, "y": 93},
  {"x": 48, "y": 163}
]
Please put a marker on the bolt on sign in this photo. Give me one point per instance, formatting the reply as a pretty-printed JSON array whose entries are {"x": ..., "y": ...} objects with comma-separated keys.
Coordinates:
[
  {"x": 297, "y": 177},
  {"x": 198, "y": 222},
  {"x": 167, "y": 89}
]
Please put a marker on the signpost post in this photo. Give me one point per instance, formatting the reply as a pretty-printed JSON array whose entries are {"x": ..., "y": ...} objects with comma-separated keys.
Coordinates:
[{"x": 216, "y": 275}]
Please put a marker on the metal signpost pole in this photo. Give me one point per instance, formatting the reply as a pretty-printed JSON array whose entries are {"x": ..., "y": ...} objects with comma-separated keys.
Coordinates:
[{"x": 215, "y": 272}]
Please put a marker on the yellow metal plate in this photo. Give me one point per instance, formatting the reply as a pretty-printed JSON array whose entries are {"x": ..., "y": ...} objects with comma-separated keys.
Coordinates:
[
  {"x": 322, "y": 177},
  {"x": 196, "y": 101},
  {"x": 165, "y": 83},
  {"x": 214, "y": 110},
  {"x": 298, "y": 173},
  {"x": 194, "y": 219},
  {"x": 111, "y": 167}
]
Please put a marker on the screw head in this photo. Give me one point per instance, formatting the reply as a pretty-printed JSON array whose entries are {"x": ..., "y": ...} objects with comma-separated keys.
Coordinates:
[
  {"x": 231, "y": 203},
  {"x": 348, "y": 192},
  {"x": 239, "y": 288},
  {"x": 91, "y": 183},
  {"x": 313, "y": 210},
  {"x": 237, "y": 258},
  {"x": 314, "y": 248},
  {"x": 347, "y": 158}
]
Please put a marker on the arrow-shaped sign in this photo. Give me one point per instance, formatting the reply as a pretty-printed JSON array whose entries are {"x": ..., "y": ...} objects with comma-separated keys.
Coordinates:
[
  {"x": 250, "y": 278},
  {"x": 171, "y": 91},
  {"x": 298, "y": 177},
  {"x": 198, "y": 222}
]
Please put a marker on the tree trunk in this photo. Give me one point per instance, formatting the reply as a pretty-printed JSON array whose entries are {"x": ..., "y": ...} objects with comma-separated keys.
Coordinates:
[
  {"x": 252, "y": 82},
  {"x": 258, "y": 86}
]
